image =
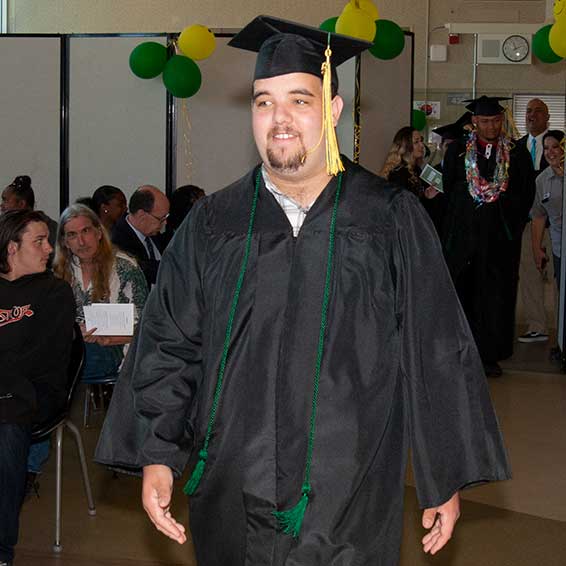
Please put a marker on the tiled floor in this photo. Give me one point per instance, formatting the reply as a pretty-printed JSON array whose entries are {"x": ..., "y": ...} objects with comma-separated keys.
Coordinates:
[{"x": 517, "y": 523}]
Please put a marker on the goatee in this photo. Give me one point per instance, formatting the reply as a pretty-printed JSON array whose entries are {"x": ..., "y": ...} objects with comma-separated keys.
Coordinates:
[{"x": 289, "y": 164}]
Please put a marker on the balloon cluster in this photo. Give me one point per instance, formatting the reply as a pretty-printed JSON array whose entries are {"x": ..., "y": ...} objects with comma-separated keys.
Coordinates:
[
  {"x": 549, "y": 42},
  {"x": 181, "y": 75},
  {"x": 360, "y": 19}
]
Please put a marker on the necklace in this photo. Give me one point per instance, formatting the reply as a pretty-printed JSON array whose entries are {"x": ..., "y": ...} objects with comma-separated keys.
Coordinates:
[{"x": 481, "y": 190}]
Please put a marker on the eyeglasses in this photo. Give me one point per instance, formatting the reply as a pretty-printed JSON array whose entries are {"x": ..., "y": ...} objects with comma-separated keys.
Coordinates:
[{"x": 160, "y": 219}]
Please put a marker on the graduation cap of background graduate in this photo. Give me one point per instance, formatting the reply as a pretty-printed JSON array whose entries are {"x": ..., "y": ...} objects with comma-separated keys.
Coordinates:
[
  {"x": 455, "y": 130},
  {"x": 449, "y": 131},
  {"x": 285, "y": 47},
  {"x": 486, "y": 105},
  {"x": 464, "y": 120}
]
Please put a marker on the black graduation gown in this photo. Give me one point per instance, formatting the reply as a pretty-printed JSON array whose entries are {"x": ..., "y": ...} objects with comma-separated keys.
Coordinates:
[
  {"x": 435, "y": 206},
  {"x": 482, "y": 246},
  {"x": 400, "y": 370}
]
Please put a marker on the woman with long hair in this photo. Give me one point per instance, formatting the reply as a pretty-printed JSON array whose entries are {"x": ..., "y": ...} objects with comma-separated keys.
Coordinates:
[
  {"x": 403, "y": 167},
  {"x": 403, "y": 162},
  {"x": 97, "y": 273}
]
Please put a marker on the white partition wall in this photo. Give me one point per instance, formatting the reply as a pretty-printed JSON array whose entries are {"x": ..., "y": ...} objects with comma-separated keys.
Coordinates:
[
  {"x": 117, "y": 122},
  {"x": 30, "y": 98},
  {"x": 214, "y": 135},
  {"x": 385, "y": 103},
  {"x": 115, "y": 125}
]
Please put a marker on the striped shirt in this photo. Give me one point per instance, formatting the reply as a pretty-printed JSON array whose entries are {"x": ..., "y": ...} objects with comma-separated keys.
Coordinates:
[{"x": 295, "y": 212}]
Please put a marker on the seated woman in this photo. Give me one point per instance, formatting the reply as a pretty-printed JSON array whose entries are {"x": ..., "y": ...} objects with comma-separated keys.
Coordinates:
[
  {"x": 109, "y": 203},
  {"x": 36, "y": 330},
  {"x": 182, "y": 200},
  {"x": 19, "y": 195},
  {"x": 98, "y": 273}
]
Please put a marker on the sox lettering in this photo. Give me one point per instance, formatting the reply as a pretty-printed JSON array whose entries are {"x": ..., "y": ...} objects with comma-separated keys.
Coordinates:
[{"x": 15, "y": 314}]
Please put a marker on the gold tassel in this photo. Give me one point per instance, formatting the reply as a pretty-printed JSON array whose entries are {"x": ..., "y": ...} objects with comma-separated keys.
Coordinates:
[{"x": 333, "y": 161}]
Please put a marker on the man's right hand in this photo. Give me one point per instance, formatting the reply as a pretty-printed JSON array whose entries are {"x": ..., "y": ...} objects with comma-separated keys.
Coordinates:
[
  {"x": 157, "y": 489},
  {"x": 540, "y": 258}
]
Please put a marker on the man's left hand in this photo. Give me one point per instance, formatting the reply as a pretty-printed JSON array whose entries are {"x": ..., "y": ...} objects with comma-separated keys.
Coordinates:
[{"x": 440, "y": 521}]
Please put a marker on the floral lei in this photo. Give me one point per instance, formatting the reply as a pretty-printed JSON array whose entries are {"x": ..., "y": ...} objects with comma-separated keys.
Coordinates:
[{"x": 481, "y": 190}]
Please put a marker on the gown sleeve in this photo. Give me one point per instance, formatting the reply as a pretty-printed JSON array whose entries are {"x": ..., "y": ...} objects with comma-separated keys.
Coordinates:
[
  {"x": 148, "y": 421},
  {"x": 454, "y": 434}
]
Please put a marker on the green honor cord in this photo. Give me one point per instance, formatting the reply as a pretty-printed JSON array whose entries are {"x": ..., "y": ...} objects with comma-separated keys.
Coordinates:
[
  {"x": 290, "y": 520},
  {"x": 196, "y": 476}
]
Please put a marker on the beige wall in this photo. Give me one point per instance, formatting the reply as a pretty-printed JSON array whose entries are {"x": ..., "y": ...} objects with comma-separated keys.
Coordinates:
[{"x": 119, "y": 16}]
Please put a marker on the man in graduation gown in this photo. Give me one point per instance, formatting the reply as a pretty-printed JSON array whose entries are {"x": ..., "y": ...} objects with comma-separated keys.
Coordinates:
[
  {"x": 488, "y": 181},
  {"x": 436, "y": 202},
  {"x": 303, "y": 335}
]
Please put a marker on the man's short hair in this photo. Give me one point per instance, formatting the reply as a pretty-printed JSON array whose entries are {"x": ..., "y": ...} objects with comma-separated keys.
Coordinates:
[
  {"x": 12, "y": 226},
  {"x": 142, "y": 199}
]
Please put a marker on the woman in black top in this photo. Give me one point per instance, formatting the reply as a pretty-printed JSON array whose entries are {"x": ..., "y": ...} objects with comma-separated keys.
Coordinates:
[
  {"x": 403, "y": 167},
  {"x": 403, "y": 162}
]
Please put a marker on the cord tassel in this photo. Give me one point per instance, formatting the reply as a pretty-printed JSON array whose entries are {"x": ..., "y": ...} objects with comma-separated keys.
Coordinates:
[
  {"x": 291, "y": 520},
  {"x": 333, "y": 162},
  {"x": 194, "y": 480}
]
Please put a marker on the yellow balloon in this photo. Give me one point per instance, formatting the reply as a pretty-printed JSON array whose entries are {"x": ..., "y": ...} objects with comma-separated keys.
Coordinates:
[
  {"x": 197, "y": 42},
  {"x": 559, "y": 9},
  {"x": 356, "y": 23},
  {"x": 367, "y": 6},
  {"x": 557, "y": 38}
]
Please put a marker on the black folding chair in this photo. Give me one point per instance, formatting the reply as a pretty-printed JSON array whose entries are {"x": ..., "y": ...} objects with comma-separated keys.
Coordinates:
[{"x": 58, "y": 424}]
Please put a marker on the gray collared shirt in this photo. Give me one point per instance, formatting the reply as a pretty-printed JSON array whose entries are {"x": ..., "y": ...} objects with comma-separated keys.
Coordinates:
[
  {"x": 295, "y": 212},
  {"x": 548, "y": 203}
]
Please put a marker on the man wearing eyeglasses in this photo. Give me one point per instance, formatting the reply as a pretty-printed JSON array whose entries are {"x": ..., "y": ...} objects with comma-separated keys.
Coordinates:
[{"x": 139, "y": 232}]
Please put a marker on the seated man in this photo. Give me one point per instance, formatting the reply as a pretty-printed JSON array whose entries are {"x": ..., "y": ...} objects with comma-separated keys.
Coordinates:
[
  {"x": 36, "y": 329},
  {"x": 138, "y": 233}
]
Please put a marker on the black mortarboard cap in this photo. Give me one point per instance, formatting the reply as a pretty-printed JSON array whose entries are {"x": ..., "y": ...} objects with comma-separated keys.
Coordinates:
[
  {"x": 464, "y": 119},
  {"x": 449, "y": 131},
  {"x": 285, "y": 47},
  {"x": 455, "y": 130},
  {"x": 486, "y": 105}
]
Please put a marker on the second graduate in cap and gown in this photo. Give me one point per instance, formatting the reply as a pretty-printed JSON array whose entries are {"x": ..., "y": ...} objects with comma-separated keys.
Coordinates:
[
  {"x": 487, "y": 180},
  {"x": 292, "y": 371}
]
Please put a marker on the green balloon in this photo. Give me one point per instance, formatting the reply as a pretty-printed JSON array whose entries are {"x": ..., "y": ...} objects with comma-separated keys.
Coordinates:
[
  {"x": 329, "y": 25},
  {"x": 389, "y": 40},
  {"x": 182, "y": 76},
  {"x": 148, "y": 59},
  {"x": 418, "y": 120},
  {"x": 541, "y": 46}
]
